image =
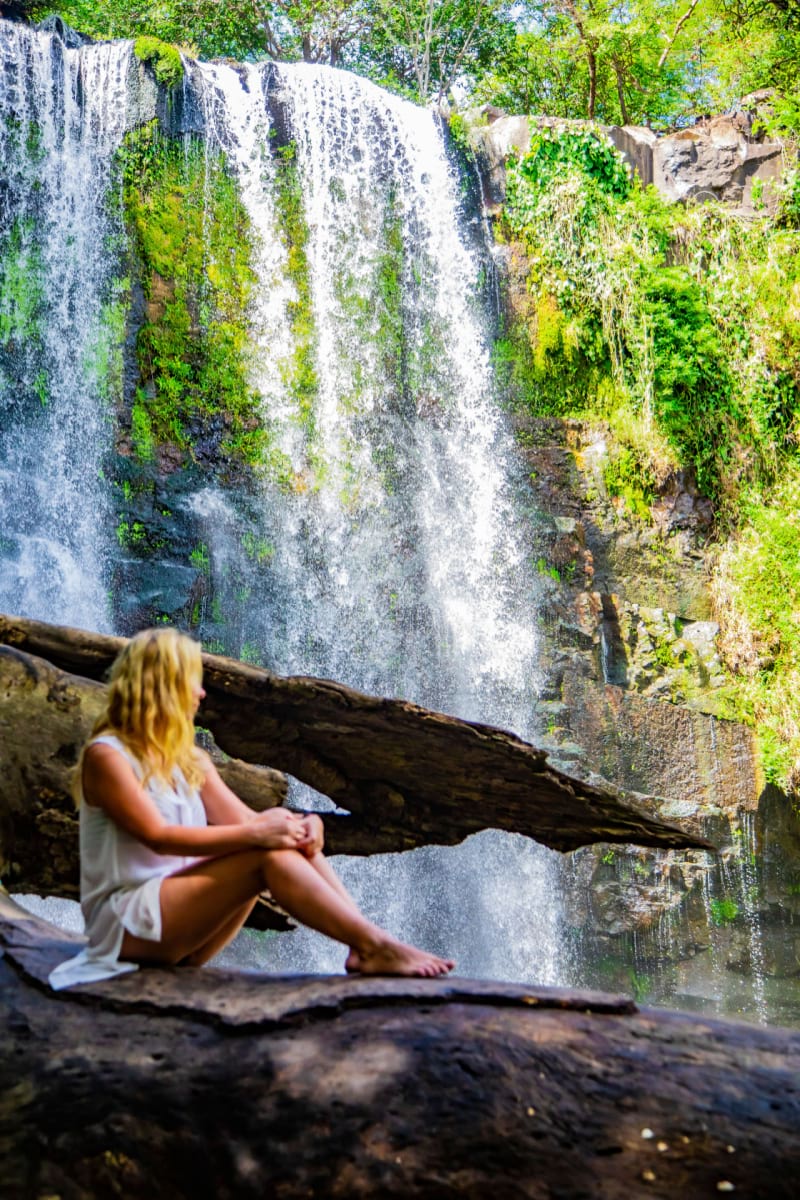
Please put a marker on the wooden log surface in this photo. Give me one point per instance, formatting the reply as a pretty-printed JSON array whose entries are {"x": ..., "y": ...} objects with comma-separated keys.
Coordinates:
[
  {"x": 406, "y": 776},
  {"x": 205, "y": 1084}
]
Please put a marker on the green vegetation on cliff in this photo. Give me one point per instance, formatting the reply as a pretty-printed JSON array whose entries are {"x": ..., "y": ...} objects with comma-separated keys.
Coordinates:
[
  {"x": 164, "y": 59},
  {"x": 191, "y": 242},
  {"x": 299, "y": 371},
  {"x": 680, "y": 327}
]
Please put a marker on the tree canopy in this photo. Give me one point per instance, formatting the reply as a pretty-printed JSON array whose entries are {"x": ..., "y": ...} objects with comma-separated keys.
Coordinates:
[{"x": 655, "y": 62}]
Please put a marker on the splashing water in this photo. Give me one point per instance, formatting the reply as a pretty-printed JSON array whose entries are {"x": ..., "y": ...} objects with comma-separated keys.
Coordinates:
[{"x": 62, "y": 114}]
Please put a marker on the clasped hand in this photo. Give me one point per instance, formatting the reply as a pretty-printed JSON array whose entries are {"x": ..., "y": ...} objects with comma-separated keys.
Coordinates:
[{"x": 280, "y": 829}]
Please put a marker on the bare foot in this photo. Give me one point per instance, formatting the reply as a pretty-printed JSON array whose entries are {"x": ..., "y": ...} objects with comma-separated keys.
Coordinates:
[{"x": 389, "y": 957}]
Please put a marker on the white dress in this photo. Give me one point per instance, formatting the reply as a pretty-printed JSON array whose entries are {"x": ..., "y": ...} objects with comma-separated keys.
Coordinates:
[{"x": 121, "y": 878}]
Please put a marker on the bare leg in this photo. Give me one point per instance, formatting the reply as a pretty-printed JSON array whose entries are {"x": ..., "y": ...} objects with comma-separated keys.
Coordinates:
[
  {"x": 220, "y": 939},
  {"x": 199, "y": 904},
  {"x": 320, "y": 863},
  {"x": 306, "y": 894}
]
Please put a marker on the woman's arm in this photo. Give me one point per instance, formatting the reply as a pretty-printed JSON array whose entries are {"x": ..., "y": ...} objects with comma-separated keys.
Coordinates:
[
  {"x": 109, "y": 783},
  {"x": 224, "y": 807}
]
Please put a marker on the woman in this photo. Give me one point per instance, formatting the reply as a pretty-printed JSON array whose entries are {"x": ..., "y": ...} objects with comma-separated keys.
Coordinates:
[{"x": 171, "y": 860}]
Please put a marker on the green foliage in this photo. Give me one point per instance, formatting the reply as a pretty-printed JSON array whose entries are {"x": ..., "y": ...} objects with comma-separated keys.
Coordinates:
[
  {"x": 257, "y": 549},
  {"x": 724, "y": 911},
  {"x": 251, "y": 653},
  {"x": 555, "y": 151},
  {"x": 103, "y": 361},
  {"x": 757, "y": 595},
  {"x": 21, "y": 284},
  {"x": 692, "y": 391},
  {"x": 679, "y": 327},
  {"x": 641, "y": 985},
  {"x": 191, "y": 235},
  {"x": 200, "y": 559},
  {"x": 631, "y": 479},
  {"x": 164, "y": 59},
  {"x": 676, "y": 316},
  {"x": 300, "y": 371}
]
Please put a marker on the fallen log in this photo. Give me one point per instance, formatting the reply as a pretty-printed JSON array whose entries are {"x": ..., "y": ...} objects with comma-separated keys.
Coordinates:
[
  {"x": 173, "y": 1083},
  {"x": 406, "y": 776}
]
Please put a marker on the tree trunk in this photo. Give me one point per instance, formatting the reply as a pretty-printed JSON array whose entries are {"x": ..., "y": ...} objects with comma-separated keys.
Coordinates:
[
  {"x": 408, "y": 776},
  {"x": 591, "y": 60},
  {"x": 206, "y": 1085}
]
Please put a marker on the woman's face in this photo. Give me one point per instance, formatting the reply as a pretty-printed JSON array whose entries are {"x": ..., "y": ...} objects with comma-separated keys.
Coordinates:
[{"x": 198, "y": 694}]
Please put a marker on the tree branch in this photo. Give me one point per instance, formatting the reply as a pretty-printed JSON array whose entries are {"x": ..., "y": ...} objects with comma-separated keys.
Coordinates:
[{"x": 678, "y": 27}]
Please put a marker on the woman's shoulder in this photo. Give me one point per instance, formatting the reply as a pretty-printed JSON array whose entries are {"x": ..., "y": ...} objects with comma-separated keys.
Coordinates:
[{"x": 97, "y": 750}]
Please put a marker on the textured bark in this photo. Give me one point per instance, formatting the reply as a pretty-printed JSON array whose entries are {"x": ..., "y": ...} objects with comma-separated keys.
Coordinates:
[
  {"x": 204, "y": 1084},
  {"x": 406, "y": 775}
]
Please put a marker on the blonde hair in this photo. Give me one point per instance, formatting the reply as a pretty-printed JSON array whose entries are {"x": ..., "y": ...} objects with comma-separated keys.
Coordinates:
[{"x": 151, "y": 703}]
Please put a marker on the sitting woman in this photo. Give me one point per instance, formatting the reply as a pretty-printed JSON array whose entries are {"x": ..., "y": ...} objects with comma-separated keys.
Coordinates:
[{"x": 172, "y": 861}]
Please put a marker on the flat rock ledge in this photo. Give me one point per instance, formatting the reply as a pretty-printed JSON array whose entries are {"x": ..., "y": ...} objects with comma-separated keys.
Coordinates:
[{"x": 212, "y": 1084}]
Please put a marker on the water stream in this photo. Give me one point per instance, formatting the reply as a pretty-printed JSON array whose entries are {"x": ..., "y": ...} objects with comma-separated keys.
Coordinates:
[
  {"x": 398, "y": 562},
  {"x": 62, "y": 114}
]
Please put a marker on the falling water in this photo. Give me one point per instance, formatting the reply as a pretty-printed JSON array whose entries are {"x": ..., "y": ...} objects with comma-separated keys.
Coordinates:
[
  {"x": 62, "y": 114},
  {"x": 397, "y": 562}
]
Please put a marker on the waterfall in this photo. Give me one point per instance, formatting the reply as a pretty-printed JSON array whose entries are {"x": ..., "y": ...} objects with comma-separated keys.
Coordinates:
[
  {"x": 397, "y": 560},
  {"x": 62, "y": 114},
  {"x": 386, "y": 549}
]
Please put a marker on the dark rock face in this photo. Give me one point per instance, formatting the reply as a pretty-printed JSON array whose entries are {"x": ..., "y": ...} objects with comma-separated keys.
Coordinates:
[
  {"x": 202, "y": 1084},
  {"x": 57, "y": 25}
]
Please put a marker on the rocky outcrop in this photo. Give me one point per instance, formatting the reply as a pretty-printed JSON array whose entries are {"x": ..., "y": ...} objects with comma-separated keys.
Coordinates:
[
  {"x": 627, "y": 626},
  {"x": 198, "y": 1083},
  {"x": 718, "y": 158},
  {"x": 633, "y": 689}
]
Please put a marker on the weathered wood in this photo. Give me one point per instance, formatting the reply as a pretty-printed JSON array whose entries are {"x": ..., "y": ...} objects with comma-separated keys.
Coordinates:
[
  {"x": 406, "y": 775},
  {"x": 207, "y": 1084}
]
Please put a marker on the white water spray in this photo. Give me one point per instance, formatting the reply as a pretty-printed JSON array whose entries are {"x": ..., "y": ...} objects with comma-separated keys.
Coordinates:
[{"x": 62, "y": 114}]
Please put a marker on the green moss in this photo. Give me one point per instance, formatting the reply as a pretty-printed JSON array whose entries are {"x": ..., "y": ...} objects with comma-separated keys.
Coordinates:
[
  {"x": 142, "y": 430},
  {"x": 21, "y": 285},
  {"x": 164, "y": 58},
  {"x": 192, "y": 242},
  {"x": 102, "y": 361},
  {"x": 724, "y": 911},
  {"x": 630, "y": 479},
  {"x": 200, "y": 558},
  {"x": 299, "y": 372},
  {"x": 257, "y": 549}
]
